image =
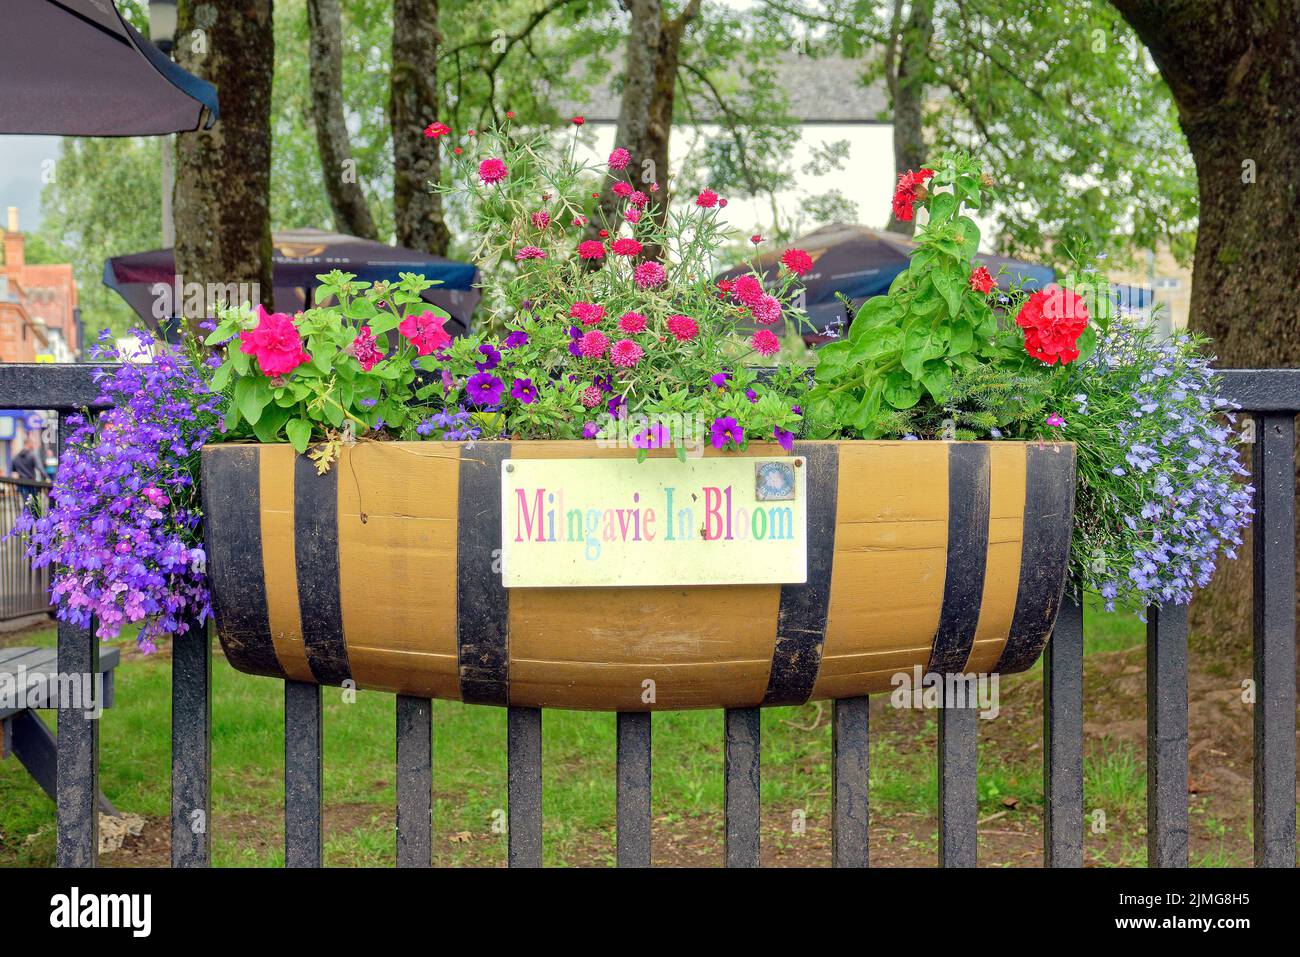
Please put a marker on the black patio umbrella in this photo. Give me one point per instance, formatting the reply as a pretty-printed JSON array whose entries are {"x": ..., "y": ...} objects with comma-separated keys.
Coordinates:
[
  {"x": 77, "y": 68},
  {"x": 149, "y": 284},
  {"x": 859, "y": 263}
]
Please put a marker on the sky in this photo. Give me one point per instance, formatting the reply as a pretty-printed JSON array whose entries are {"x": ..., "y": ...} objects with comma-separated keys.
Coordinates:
[{"x": 23, "y": 162}]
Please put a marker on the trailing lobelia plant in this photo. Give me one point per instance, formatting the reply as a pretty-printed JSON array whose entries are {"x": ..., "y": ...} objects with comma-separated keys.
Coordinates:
[{"x": 121, "y": 532}]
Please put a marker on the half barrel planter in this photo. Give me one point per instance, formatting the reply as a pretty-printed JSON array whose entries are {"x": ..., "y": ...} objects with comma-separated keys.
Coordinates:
[{"x": 950, "y": 556}]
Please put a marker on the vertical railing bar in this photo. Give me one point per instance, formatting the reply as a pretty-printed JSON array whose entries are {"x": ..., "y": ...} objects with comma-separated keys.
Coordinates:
[
  {"x": 192, "y": 747},
  {"x": 1273, "y": 543},
  {"x": 958, "y": 785},
  {"x": 633, "y": 784},
  {"x": 303, "y": 784},
  {"x": 524, "y": 771},
  {"x": 741, "y": 788},
  {"x": 414, "y": 782},
  {"x": 850, "y": 782},
  {"x": 1063, "y": 737},
  {"x": 77, "y": 749},
  {"x": 1167, "y": 736}
]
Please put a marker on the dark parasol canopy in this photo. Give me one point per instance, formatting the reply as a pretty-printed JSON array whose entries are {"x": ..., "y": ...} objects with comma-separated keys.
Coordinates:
[
  {"x": 149, "y": 284},
  {"x": 76, "y": 68},
  {"x": 859, "y": 263}
]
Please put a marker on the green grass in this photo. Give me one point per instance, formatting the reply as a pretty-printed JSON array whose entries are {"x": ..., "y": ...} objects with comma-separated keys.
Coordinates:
[{"x": 470, "y": 770}]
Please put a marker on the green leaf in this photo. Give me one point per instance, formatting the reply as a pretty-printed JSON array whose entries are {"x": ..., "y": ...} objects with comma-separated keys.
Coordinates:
[
  {"x": 221, "y": 378},
  {"x": 1086, "y": 343},
  {"x": 251, "y": 396},
  {"x": 937, "y": 379},
  {"x": 901, "y": 390},
  {"x": 951, "y": 287},
  {"x": 267, "y": 428},
  {"x": 299, "y": 431},
  {"x": 942, "y": 208}
]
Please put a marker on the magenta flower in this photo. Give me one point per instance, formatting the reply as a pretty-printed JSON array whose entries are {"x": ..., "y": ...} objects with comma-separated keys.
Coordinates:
[
  {"x": 725, "y": 430},
  {"x": 632, "y": 322},
  {"x": 649, "y": 274},
  {"x": 1055, "y": 421},
  {"x": 365, "y": 350},
  {"x": 619, "y": 159},
  {"x": 530, "y": 252},
  {"x": 592, "y": 249},
  {"x": 654, "y": 437},
  {"x": 765, "y": 343},
  {"x": 593, "y": 344},
  {"x": 626, "y": 353},
  {"x": 492, "y": 171},
  {"x": 784, "y": 438}
]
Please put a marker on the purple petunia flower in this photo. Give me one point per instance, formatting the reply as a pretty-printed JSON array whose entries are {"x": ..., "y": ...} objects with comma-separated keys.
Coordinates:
[
  {"x": 483, "y": 388},
  {"x": 491, "y": 358},
  {"x": 516, "y": 339},
  {"x": 524, "y": 391},
  {"x": 590, "y": 430},
  {"x": 726, "y": 429},
  {"x": 784, "y": 438},
  {"x": 719, "y": 379}
]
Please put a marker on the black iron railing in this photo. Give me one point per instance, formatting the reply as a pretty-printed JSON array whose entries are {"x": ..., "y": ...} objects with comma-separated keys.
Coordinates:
[
  {"x": 1271, "y": 397},
  {"x": 24, "y": 591}
]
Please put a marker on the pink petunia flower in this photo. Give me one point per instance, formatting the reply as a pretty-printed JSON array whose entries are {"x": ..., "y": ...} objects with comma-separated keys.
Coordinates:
[
  {"x": 275, "y": 342},
  {"x": 626, "y": 353},
  {"x": 365, "y": 349},
  {"x": 649, "y": 274},
  {"x": 425, "y": 332},
  {"x": 765, "y": 343},
  {"x": 492, "y": 170}
]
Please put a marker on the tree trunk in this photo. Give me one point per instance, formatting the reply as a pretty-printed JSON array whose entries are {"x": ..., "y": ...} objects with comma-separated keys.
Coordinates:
[
  {"x": 347, "y": 199},
  {"x": 1234, "y": 71},
  {"x": 645, "y": 116},
  {"x": 223, "y": 175},
  {"x": 413, "y": 105},
  {"x": 906, "y": 70}
]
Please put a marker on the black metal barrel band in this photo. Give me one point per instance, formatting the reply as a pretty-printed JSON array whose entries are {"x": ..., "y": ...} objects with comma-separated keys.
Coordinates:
[
  {"x": 316, "y": 551},
  {"x": 482, "y": 602},
  {"x": 967, "y": 558},
  {"x": 233, "y": 540},
  {"x": 801, "y": 618},
  {"x": 1044, "y": 554}
]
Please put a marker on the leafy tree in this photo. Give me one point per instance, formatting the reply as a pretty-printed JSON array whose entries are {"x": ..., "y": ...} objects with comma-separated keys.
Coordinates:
[
  {"x": 1058, "y": 97},
  {"x": 105, "y": 200}
]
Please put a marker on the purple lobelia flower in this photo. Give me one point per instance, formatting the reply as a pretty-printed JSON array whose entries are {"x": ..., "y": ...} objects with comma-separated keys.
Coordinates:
[{"x": 121, "y": 532}]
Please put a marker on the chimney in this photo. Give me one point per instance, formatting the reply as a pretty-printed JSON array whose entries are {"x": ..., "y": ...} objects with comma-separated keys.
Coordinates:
[{"x": 14, "y": 257}]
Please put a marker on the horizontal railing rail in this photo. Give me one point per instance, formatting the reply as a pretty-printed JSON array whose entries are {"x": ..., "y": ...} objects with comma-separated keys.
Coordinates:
[{"x": 1270, "y": 396}]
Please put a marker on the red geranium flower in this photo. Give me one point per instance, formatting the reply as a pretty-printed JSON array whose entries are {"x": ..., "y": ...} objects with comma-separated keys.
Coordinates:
[
  {"x": 905, "y": 194},
  {"x": 797, "y": 261},
  {"x": 1053, "y": 319},
  {"x": 981, "y": 280}
]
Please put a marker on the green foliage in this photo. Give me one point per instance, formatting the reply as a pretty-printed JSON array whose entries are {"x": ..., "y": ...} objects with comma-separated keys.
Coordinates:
[
  {"x": 908, "y": 345},
  {"x": 105, "y": 200},
  {"x": 331, "y": 395}
]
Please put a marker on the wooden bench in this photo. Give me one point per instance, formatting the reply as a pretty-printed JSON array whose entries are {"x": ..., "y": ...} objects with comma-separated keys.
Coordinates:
[{"x": 29, "y": 681}]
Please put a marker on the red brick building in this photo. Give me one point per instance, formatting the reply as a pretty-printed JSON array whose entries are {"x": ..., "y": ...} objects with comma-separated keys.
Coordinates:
[{"x": 38, "y": 305}]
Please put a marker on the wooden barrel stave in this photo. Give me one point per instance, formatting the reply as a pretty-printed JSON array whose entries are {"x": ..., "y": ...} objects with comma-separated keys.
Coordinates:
[{"x": 414, "y": 607}]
